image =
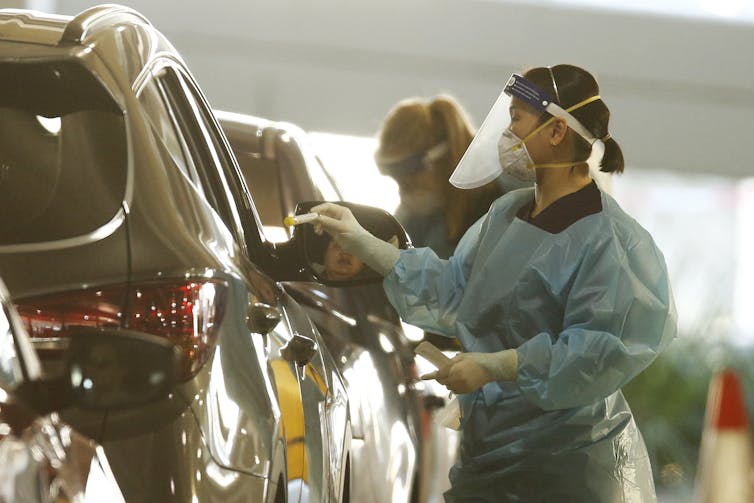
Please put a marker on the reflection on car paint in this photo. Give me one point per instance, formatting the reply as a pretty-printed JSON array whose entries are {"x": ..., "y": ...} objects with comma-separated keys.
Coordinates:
[
  {"x": 293, "y": 423},
  {"x": 52, "y": 462}
]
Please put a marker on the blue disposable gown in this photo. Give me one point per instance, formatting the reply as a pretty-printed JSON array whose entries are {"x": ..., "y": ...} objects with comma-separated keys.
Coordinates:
[
  {"x": 587, "y": 309},
  {"x": 427, "y": 230}
]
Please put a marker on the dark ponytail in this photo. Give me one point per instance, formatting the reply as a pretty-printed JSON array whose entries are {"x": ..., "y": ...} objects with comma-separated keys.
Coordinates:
[
  {"x": 574, "y": 85},
  {"x": 612, "y": 160}
]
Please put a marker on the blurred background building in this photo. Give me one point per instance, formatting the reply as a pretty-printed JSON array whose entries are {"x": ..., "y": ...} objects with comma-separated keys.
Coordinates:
[{"x": 678, "y": 76}]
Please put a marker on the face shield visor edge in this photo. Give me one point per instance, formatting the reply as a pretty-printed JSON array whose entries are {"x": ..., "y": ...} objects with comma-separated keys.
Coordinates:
[{"x": 481, "y": 161}]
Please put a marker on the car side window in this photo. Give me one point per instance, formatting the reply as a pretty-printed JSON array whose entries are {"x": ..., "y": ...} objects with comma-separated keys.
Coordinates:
[
  {"x": 205, "y": 150},
  {"x": 284, "y": 173},
  {"x": 324, "y": 181},
  {"x": 160, "y": 119}
]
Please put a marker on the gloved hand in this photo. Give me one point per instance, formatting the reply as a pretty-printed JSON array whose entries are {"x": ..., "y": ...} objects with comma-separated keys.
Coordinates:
[
  {"x": 339, "y": 222},
  {"x": 467, "y": 372}
]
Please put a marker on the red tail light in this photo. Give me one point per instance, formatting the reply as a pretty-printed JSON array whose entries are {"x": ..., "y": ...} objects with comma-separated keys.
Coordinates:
[{"x": 188, "y": 313}]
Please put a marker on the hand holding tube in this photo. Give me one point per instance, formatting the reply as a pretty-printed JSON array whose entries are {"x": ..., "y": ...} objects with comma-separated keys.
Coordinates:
[
  {"x": 470, "y": 371},
  {"x": 339, "y": 222}
]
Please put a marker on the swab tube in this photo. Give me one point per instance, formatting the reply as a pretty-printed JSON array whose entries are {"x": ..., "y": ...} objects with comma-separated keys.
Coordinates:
[{"x": 292, "y": 220}]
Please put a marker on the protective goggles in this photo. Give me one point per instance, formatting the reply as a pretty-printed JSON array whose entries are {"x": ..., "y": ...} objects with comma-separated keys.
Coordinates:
[
  {"x": 525, "y": 90},
  {"x": 413, "y": 164}
]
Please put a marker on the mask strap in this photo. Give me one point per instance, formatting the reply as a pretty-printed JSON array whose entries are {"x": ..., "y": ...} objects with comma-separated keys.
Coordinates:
[
  {"x": 556, "y": 164},
  {"x": 584, "y": 102},
  {"x": 534, "y": 131},
  {"x": 572, "y": 122}
]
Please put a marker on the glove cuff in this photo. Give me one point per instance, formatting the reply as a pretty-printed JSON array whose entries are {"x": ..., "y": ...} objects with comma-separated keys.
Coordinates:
[
  {"x": 374, "y": 252},
  {"x": 503, "y": 365}
]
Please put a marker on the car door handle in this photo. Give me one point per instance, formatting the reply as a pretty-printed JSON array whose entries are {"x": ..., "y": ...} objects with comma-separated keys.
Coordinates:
[
  {"x": 262, "y": 318},
  {"x": 299, "y": 349}
]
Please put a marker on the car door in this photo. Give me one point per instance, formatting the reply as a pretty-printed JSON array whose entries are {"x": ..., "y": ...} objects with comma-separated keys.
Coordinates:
[
  {"x": 358, "y": 325},
  {"x": 303, "y": 387}
]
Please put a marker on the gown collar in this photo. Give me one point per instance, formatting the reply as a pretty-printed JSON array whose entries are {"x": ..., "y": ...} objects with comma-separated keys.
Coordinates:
[{"x": 565, "y": 211}]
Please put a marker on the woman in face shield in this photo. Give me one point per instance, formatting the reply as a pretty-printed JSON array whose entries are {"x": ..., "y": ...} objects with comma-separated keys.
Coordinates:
[
  {"x": 420, "y": 143},
  {"x": 557, "y": 296}
]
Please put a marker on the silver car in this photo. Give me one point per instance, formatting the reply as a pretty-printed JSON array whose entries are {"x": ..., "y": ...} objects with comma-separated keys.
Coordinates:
[
  {"x": 118, "y": 214},
  {"x": 361, "y": 329}
]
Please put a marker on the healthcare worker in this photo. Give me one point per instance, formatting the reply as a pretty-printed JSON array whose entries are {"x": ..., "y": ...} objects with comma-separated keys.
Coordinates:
[
  {"x": 420, "y": 144},
  {"x": 557, "y": 297}
]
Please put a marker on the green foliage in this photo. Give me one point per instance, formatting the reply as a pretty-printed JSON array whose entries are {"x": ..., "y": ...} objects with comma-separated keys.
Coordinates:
[{"x": 669, "y": 398}]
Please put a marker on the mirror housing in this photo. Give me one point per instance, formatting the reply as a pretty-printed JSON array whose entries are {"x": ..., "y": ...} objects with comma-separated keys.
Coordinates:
[{"x": 323, "y": 260}]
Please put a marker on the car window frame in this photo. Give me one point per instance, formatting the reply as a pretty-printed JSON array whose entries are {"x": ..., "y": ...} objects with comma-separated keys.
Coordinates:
[
  {"x": 154, "y": 83},
  {"x": 236, "y": 192},
  {"x": 207, "y": 151}
]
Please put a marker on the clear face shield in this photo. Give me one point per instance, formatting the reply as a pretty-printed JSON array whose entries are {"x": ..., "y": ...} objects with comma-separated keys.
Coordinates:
[{"x": 481, "y": 163}]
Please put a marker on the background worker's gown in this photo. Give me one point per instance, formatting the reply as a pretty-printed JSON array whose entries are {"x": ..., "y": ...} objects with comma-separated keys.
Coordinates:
[{"x": 587, "y": 309}]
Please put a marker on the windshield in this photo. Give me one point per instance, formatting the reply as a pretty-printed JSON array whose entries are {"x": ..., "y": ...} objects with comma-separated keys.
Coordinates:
[{"x": 62, "y": 152}]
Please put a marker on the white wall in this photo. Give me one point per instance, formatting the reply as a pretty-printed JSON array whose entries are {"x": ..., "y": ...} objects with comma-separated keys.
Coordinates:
[{"x": 681, "y": 91}]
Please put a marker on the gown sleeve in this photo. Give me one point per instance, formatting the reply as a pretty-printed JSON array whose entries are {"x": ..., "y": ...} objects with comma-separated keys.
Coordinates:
[
  {"x": 426, "y": 290},
  {"x": 619, "y": 314}
]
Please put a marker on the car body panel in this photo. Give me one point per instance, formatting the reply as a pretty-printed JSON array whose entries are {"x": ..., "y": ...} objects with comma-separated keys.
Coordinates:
[
  {"x": 222, "y": 435},
  {"x": 32, "y": 26},
  {"x": 41, "y": 457}
]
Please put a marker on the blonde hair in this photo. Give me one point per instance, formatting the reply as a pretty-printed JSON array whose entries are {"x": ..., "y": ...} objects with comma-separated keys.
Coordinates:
[{"x": 413, "y": 126}]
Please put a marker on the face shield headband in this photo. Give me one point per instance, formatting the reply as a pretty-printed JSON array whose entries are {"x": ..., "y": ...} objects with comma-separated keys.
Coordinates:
[
  {"x": 414, "y": 164},
  {"x": 525, "y": 90}
]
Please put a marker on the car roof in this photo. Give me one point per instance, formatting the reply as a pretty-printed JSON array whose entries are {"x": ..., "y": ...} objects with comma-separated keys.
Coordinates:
[
  {"x": 121, "y": 37},
  {"x": 51, "y": 29}
]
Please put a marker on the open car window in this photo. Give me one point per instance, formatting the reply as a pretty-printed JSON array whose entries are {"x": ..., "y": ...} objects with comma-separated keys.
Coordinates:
[
  {"x": 63, "y": 157},
  {"x": 280, "y": 171}
]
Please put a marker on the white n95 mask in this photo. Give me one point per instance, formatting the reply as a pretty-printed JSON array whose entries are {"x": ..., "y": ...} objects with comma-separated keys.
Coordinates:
[{"x": 514, "y": 158}]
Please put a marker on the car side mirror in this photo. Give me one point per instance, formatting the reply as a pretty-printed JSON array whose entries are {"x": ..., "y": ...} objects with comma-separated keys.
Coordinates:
[{"x": 330, "y": 265}]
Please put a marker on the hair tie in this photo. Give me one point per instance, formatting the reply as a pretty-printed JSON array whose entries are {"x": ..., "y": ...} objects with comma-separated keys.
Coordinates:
[{"x": 605, "y": 138}]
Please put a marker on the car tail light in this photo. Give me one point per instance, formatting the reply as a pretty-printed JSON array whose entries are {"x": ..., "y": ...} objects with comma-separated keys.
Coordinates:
[{"x": 187, "y": 312}]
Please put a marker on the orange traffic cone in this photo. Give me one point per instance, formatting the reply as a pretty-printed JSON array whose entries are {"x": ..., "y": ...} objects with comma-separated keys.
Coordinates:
[{"x": 726, "y": 463}]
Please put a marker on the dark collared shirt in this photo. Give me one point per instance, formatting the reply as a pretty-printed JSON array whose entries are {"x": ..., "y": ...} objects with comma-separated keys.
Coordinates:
[{"x": 565, "y": 211}]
